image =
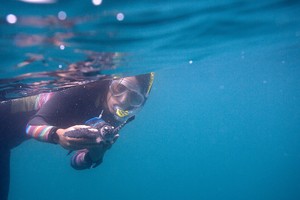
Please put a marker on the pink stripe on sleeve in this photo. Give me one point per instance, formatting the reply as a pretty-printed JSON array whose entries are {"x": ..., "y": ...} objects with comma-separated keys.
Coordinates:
[{"x": 40, "y": 133}]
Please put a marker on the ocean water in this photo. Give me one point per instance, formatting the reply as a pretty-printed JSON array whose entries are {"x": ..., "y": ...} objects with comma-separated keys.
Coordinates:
[{"x": 222, "y": 120}]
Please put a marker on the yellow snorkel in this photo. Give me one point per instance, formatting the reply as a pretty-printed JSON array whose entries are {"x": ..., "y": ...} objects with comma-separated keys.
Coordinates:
[{"x": 122, "y": 113}]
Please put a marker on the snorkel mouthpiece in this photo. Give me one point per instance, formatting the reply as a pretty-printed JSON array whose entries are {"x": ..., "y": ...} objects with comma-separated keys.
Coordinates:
[{"x": 122, "y": 113}]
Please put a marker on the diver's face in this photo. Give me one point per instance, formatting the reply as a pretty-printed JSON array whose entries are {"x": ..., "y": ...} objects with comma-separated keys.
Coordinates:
[{"x": 124, "y": 98}]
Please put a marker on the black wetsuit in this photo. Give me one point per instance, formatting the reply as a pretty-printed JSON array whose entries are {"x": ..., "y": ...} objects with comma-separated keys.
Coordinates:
[{"x": 64, "y": 109}]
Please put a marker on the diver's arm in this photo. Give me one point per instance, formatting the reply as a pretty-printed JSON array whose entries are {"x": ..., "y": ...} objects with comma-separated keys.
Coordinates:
[
  {"x": 43, "y": 125},
  {"x": 40, "y": 130},
  {"x": 81, "y": 160},
  {"x": 53, "y": 119},
  {"x": 52, "y": 134},
  {"x": 86, "y": 159}
]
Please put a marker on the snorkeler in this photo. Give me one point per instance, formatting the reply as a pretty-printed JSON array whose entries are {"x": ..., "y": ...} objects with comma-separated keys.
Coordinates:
[{"x": 85, "y": 118}]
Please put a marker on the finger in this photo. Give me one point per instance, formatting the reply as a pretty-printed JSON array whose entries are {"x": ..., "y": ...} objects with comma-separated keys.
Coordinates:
[
  {"x": 84, "y": 127},
  {"x": 84, "y": 142},
  {"x": 80, "y": 126},
  {"x": 78, "y": 146}
]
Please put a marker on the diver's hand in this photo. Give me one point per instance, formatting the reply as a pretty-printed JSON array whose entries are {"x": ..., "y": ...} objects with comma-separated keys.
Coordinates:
[
  {"x": 72, "y": 143},
  {"x": 97, "y": 153}
]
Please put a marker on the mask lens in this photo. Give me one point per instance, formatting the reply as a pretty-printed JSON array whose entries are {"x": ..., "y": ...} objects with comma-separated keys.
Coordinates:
[
  {"x": 136, "y": 99},
  {"x": 117, "y": 89}
]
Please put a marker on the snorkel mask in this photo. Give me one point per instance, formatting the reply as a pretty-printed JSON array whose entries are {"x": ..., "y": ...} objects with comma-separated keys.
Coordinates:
[{"x": 137, "y": 94}]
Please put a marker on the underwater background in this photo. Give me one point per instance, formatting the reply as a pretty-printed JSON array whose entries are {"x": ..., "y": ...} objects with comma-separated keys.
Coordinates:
[{"x": 222, "y": 119}]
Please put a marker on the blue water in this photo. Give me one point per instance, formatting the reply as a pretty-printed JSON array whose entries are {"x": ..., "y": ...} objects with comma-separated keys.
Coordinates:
[{"x": 222, "y": 120}]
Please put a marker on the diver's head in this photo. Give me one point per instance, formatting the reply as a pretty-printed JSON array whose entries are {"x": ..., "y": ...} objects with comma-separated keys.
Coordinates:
[{"x": 127, "y": 95}]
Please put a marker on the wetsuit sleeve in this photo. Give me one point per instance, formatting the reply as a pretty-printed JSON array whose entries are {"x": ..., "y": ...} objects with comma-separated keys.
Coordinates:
[
  {"x": 43, "y": 133},
  {"x": 57, "y": 112},
  {"x": 81, "y": 160},
  {"x": 41, "y": 127}
]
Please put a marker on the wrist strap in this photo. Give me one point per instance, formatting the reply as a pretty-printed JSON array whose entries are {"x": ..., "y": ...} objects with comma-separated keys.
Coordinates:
[{"x": 53, "y": 137}]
